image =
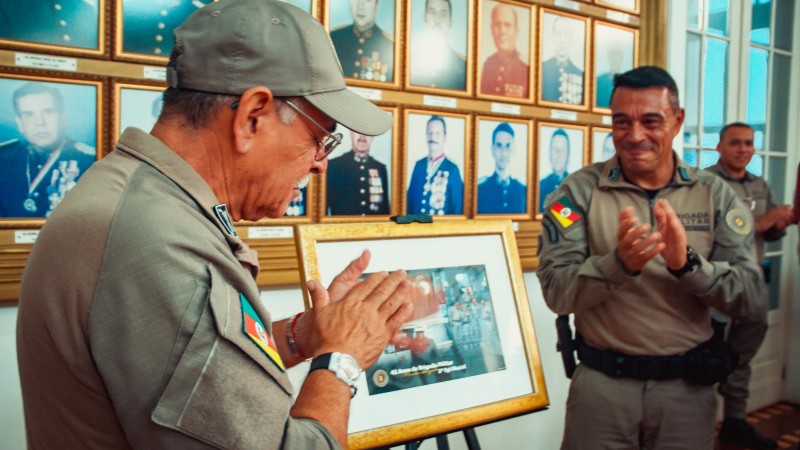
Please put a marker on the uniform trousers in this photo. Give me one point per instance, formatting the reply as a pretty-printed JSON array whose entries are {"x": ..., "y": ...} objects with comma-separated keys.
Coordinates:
[
  {"x": 745, "y": 336},
  {"x": 604, "y": 412}
]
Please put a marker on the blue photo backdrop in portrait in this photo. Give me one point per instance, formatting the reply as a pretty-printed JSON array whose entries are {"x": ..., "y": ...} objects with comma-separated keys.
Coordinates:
[{"x": 147, "y": 25}]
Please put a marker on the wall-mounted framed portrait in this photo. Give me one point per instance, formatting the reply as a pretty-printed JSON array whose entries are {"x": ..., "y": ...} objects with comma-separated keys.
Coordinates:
[
  {"x": 363, "y": 33},
  {"x": 436, "y": 162},
  {"x": 602, "y": 144},
  {"x": 469, "y": 353},
  {"x": 144, "y": 27},
  {"x": 503, "y": 166},
  {"x": 630, "y": 6},
  {"x": 562, "y": 151},
  {"x": 615, "y": 51},
  {"x": 439, "y": 48},
  {"x": 564, "y": 59},
  {"x": 360, "y": 175},
  {"x": 49, "y": 137},
  {"x": 135, "y": 105},
  {"x": 505, "y": 46},
  {"x": 66, "y": 26}
]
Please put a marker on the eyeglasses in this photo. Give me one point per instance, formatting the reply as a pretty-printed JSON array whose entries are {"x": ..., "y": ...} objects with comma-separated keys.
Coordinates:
[{"x": 332, "y": 140}]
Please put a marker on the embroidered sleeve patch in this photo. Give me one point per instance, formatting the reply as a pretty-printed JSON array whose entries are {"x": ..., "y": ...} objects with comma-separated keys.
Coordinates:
[
  {"x": 254, "y": 329},
  {"x": 565, "y": 212},
  {"x": 739, "y": 221}
]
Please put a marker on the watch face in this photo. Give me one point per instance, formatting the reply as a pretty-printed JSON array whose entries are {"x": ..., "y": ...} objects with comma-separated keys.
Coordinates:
[{"x": 349, "y": 367}]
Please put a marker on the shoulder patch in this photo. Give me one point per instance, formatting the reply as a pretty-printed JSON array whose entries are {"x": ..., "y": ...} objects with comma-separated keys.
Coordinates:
[
  {"x": 565, "y": 212},
  {"x": 253, "y": 327},
  {"x": 740, "y": 221}
]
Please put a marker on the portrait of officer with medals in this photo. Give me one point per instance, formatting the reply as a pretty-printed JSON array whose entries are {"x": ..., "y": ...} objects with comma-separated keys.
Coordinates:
[
  {"x": 561, "y": 149},
  {"x": 358, "y": 179},
  {"x": 362, "y": 31},
  {"x": 614, "y": 50},
  {"x": 69, "y": 23},
  {"x": 505, "y": 48},
  {"x": 39, "y": 163},
  {"x": 435, "y": 185},
  {"x": 563, "y": 49}
]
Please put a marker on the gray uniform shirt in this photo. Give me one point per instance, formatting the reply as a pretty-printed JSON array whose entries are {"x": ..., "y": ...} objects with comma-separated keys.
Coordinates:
[
  {"x": 132, "y": 319},
  {"x": 652, "y": 313}
]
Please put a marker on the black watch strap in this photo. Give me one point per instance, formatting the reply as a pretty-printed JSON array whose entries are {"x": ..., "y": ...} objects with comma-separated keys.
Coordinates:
[
  {"x": 692, "y": 262},
  {"x": 322, "y": 361}
]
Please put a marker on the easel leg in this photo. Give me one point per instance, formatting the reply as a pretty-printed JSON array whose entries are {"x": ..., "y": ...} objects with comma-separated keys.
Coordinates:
[
  {"x": 441, "y": 442},
  {"x": 472, "y": 439}
]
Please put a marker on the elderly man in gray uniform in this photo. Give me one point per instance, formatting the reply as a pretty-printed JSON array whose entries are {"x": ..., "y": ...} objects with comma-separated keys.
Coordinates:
[
  {"x": 140, "y": 322},
  {"x": 640, "y": 248},
  {"x": 735, "y": 149}
]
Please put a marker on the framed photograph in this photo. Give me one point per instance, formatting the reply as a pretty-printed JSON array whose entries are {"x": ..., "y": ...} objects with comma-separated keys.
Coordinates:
[
  {"x": 503, "y": 166},
  {"x": 505, "y": 46},
  {"x": 614, "y": 52},
  {"x": 439, "y": 49},
  {"x": 563, "y": 44},
  {"x": 74, "y": 26},
  {"x": 631, "y": 6},
  {"x": 360, "y": 173},
  {"x": 363, "y": 33},
  {"x": 602, "y": 144},
  {"x": 144, "y": 27},
  {"x": 562, "y": 150},
  {"x": 436, "y": 162},
  {"x": 49, "y": 135},
  {"x": 135, "y": 105},
  {"x": 471, "y": 331}
]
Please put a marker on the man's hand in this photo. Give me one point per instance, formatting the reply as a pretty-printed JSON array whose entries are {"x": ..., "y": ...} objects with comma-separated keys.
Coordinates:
[
  {"x": 672, "y": 233},
  {"x": 362, "y": 321},
  {"x": 635, "y": 247},
  {"x": 778, "y": 218}
]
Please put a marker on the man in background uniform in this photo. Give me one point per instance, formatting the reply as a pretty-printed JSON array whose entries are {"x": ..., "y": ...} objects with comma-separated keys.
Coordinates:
[
  {"x": 39, "y": 169},
  {"x": 357, "y": 183},
  {"x": 436, "y": 187},
  {"x": 504, "y": 73},
  {"x": 562, "y": 80},
  {"x": 640, "y": 248},
  {"x": 365, "y": 51},
  {"x": 501, "y": 193},
  {"x": 433, "y": 62},
  {"x": 559, "y": 159},
  {"x": 745, "y": 336}
]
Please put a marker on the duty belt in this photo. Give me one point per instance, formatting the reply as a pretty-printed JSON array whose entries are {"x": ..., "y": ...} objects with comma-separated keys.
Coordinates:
[{"x": 620, "y": 365}]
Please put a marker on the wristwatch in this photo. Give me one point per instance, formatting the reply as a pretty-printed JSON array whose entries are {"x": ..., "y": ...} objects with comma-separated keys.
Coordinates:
[
  {"x": 343, "y": 365},
  {"x": 692, "y": 263}
]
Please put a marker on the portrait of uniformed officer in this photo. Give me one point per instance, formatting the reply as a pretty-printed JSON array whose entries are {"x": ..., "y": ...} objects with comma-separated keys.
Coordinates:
[
  {"x": 436, "y": 186},
  {"x": 563, "y": 50},
  {"x": 602, "y": 146},
  {"x": 365, "y": 50},
  {"x": 72, "y": 23},
  {"x": 502, "y": 192},
  {"x": 147, "y": 25},
  {"x": 42, "y": 164},
  {"x": 505, "y": 72},
  {"x": 357, "y": 182},
  {"x": 614, "y": 49},
  {"x": 561, "y": 153},
  {"x": 433, "y": 59},
  {"x": 139, "y": 108}
]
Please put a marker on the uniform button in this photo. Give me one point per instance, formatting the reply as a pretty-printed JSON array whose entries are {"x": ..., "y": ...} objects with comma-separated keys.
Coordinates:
[
  {"x": 360, "y": 40},
  {"x": 502, "y": 69},
  {"x": 362, "y": 178},
  {"x": 161, "y": 25},
  {"x": 159, "y": 38},
  {"x": 357, "y": 63},
  {"x": 424, "y": 202},
  {"x": 361, "y": 191},
  {"x": 355, "y": 74},
  {"x": 422, "y": 210},
  {"x": 497, "y": 89},
  {"x": 363, "y": 203},
  {"x": 361, "y": 167},
  {"x": 360, "y": 52}
]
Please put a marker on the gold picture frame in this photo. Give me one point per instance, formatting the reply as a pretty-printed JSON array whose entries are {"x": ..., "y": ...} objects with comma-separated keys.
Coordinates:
[
  {"x": 564, "y": 43},
  {"x": 614, "y": 45},
  {"x": 463, "y": 261},
  {"x": 621, "y": 5}
]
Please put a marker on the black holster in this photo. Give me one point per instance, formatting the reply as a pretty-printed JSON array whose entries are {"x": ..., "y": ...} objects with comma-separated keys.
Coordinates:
[
  {"x": 566, "y": 344},
  {"x": 712, "y": 361}
]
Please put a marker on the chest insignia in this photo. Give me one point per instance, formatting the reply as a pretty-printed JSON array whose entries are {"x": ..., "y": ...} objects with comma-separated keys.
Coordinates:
[{"x": 739, "y": 221}]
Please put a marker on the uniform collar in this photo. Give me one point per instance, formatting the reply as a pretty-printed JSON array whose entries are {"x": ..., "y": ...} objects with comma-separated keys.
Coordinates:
[
  {"x": 612, "y": 175},
  {"x": 719, "y": 170},
  {"x": 149, "y": 149}
]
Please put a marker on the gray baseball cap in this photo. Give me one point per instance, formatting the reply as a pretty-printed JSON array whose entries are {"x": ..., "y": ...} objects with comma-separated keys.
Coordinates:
[{"x": 229, "y": 46}]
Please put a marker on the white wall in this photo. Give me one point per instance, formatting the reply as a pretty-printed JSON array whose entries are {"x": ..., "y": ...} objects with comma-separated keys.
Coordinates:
[{"x": 542, "y": 429}]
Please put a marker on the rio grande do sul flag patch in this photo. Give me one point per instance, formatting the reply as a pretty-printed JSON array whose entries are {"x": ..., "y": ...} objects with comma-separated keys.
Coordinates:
[
  {"x": 565, "y": 212},
  {"x": 254, "y": 329}
]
